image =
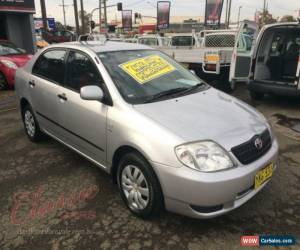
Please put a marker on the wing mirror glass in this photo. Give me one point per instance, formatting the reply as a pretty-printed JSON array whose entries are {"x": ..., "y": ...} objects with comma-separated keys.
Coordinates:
[{"x": 92, "y": 93}]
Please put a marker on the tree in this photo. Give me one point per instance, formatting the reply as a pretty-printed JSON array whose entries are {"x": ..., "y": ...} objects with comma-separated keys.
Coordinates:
[
  {"x": 59, "y": 26},
  {"x": 287, "y": 18},
  {"x": 86, "y": 20},
  {"x": 266, "y": 18}
]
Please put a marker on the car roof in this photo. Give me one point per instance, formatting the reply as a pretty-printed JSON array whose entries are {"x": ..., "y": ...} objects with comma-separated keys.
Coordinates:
[
  {"x": 97, "y": 47},
  {"x": 281, "y": 24}
]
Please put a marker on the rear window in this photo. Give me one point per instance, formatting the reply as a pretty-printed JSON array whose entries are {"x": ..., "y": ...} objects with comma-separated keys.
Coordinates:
[
  {"x": 220, "y": 40},
  {"x": 183, "y": 41},
  {"x": 149, "y": 41}
]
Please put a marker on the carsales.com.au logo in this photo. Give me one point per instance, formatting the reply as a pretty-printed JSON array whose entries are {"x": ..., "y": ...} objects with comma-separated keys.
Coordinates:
[{"x": 267, "y": 240}]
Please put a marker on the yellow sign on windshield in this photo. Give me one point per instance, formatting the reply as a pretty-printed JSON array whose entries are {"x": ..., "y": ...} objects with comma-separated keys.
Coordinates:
[{"x": 147, "y": 68}]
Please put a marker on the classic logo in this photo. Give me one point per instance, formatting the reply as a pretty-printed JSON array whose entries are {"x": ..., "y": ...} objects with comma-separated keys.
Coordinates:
[{"x": 258, "y": 143}]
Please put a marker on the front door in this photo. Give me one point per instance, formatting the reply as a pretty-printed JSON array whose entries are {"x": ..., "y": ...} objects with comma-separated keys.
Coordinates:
[
  {"x": 84, "y": 121},
  {"x": 243, "y": 51}
]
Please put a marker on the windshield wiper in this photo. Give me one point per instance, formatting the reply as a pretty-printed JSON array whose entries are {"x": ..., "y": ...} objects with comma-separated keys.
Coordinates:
[
  {"x": 193, "y": 88},
  {"x": 166, "y": 93}
]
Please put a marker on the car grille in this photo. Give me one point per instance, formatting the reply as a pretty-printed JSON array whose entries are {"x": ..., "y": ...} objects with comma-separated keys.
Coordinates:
[{"x": 254, "y": 148}]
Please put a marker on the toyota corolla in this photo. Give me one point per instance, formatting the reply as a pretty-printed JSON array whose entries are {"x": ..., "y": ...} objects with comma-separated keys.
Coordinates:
[{"x": 168, "y": 139}]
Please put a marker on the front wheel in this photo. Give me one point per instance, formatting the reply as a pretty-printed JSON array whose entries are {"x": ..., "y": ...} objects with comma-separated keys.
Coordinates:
[
  {"x": 139, "y": 186},
  {"x": 31, "y": 125}
]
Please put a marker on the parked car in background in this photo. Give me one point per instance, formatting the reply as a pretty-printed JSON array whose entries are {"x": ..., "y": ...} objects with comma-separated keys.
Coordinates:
[
  {"x": 60, "y": 36},
  {"x": 11, "y": 58},
  {"x": 167, "y": 138}
]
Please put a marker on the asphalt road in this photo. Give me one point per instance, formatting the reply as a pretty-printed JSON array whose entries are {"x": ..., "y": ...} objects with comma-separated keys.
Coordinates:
[{"x": 51, "y": 198}]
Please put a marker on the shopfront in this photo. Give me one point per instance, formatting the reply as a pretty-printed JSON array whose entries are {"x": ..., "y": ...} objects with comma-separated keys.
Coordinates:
[{"x": 16, "y": 23}]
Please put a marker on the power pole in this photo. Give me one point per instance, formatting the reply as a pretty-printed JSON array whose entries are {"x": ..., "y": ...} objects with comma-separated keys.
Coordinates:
[
  {"x": 105, "y": 14},
  {"x": 239, "y": 15},
  {"x": 76, "y": 16},
  {"x": 44, "y": 17},
  {"x": 64, "y": 12},
  {"x": 100, "y": 16},
  {"x": 226, "y": 14},
  {"x": 229, "y": 12},
  {"x": 82, "y": 17},
  {"x": 264, "y": 13}
]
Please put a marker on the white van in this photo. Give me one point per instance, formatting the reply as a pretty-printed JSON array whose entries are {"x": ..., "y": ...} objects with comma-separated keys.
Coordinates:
[{"x": 272, "y": 64}]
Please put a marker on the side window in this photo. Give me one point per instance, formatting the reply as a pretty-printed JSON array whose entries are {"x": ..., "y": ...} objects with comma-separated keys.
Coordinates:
[
  {"x": 81, "y": 71},
  {"x": 277, "y": 45},
  {"x": 51, "y": 65}
]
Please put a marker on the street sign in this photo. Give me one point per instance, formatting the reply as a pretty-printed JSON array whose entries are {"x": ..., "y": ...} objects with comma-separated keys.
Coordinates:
[
  {"x": 127, "y": 20},
  {"x": 163, "y": 14},
  {"x": 38, "y": 23},
  {"x": 213, "y": 12},
  {"x": 17, "y": 6}
]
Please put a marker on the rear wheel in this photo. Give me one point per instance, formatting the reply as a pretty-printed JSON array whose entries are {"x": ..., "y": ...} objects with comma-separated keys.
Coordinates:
[
  {"x": 139, "y": 186},
  {"x": 31, "y": 125},
  {"x": 256, "y": 95},
  {"x": 3, "y": 82}
]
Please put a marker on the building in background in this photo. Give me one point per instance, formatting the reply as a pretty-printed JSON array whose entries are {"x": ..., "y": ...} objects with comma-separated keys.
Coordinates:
[{"x": 16, "y": 23}]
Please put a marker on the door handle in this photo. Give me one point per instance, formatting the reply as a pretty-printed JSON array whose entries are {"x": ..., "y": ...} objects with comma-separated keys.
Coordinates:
[
  {"x": 62, "y": 96},
  {"x": 31, "y": 83}
]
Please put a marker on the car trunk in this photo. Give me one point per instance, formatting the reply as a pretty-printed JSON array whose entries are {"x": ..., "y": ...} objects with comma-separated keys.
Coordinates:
[{"x": 278, "y": 56}]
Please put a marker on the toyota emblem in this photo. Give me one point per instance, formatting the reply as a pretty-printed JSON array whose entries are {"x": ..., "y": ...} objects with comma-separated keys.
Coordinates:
[{"x": 258, "y": 143}]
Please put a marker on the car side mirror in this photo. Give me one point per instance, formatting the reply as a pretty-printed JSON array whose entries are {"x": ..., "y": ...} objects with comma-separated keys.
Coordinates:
[{"x": 91, "y": 93}]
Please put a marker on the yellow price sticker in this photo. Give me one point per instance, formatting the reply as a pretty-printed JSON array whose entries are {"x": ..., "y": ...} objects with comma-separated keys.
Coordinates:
[{"x": 147, "y": 68}]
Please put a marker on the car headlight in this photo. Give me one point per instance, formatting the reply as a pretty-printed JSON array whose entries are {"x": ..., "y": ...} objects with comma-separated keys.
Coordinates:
[
  {"x": 204, "y": 156},
  {"x": 9, "y": 64}
]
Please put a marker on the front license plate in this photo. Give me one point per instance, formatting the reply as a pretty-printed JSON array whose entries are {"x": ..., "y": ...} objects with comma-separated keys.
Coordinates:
[{"x": 263, "y": 175}]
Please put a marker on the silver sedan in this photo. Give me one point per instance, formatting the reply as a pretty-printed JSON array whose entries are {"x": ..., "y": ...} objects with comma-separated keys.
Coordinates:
[{"x": 168, "y": 139}]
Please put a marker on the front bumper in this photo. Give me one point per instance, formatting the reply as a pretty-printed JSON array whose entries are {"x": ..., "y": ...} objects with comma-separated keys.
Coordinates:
[
  {"x": 273, "y": 88},
  {"x": 207, "y": 195}
]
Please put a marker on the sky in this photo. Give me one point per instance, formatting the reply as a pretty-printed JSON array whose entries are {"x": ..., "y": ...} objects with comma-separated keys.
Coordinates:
[{"x": 178, "y": 8}]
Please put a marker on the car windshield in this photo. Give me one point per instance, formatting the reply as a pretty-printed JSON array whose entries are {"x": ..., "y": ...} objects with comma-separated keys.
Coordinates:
[
  {"x": 147, "y": 75},
  {"x": 7, "y": 48}
]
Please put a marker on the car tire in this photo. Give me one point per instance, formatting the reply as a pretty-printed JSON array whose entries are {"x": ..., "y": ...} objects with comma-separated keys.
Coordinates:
[
  {"x": 3, "y": 82},
  {"x": 257, "y": 96},
  {"x": 139, "y": 186},
  {"x": 31, "y": 125}
]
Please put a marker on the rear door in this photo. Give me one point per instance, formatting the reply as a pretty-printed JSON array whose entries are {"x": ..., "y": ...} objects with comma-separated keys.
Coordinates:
[
  {"x": 243, "y": 51},
  {"x": 48, "y": 74}
]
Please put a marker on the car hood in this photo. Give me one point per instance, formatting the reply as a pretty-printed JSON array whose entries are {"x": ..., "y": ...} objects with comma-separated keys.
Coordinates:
[
  {"x": 207, "y": 115},
  {"x": 19, "y": 60}
]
